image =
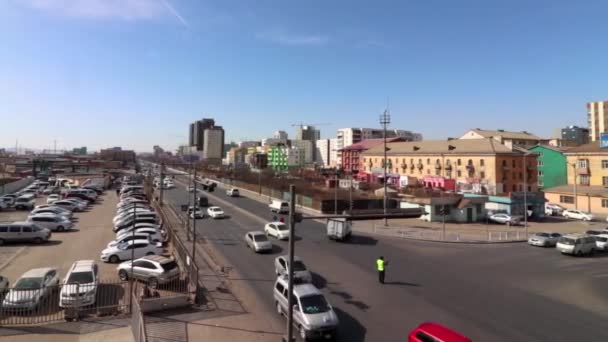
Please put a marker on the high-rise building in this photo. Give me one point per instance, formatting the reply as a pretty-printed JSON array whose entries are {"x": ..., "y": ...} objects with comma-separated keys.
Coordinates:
[
  {"x": 307, "y": 149},
  {"x": 326, "y": 152},
  {"x": 197, "y": 132},
  {"x": 574, "y": 136},
  {"x": 597, "y": 116},
  {"x": 309, "y": 133},
  {"x": 280, "y": 135},
  {"x": 213, "y": 143}
]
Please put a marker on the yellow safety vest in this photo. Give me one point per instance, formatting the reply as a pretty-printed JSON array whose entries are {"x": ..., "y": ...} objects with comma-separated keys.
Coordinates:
[{"x": 380, "y": 264}]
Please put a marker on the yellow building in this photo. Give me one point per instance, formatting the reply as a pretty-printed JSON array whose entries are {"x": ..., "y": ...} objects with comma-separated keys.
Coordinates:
[
  {"x": 476, "y": 165},
  {"x": 588, "y": 169}
]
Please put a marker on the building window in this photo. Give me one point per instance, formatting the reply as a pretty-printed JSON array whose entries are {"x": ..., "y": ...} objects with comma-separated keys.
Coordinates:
[
  {"x": 521, "y": 176},
  {"x": 482, "y": 175},
  {"x": 364, "y": 160},
  {"x": 428, "y": 161},
  {"x": 458, "y": 173},
  {"x": 437, "y": 172},
  {"x": 396, "y": 160},
  {"x": 481, "y": 162},
  {"x": 566, "y": 199},
  {"x": 459, "y": 162},
  {"x": 540, "y": 183},
  {"x": 541, "y": 163},
  {"x": 541, "y": 173},
  {"x": 604, "y": 164},
  {"x": 584, "y": 179},
  {"x": 428, "y": 171},
  {"x": 581, "y": 163},
  {"x": 514, "y": 187},
  {"x": 604, "y": 180},
  {"x": 513, "y": 162},
  {"x": 604, "y": 203}
]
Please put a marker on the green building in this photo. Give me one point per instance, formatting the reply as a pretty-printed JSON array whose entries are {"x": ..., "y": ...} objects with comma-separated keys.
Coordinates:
[
  {"x": 551, "y": 166},
  {"x": 277, "y": 158}
]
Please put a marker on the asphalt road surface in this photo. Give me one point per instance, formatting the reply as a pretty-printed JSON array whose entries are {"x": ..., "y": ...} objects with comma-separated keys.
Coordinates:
[{"x": 508, "y": 292}]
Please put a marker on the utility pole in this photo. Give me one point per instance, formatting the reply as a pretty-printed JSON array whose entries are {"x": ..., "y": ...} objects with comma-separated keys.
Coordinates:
[
  {"x": 194, "y": 220},
  {"x": 385, "y": 119},
  {"x": 350, "y": 193},
  {"x": 336, "y": 193},
  {"x": 575, "y": 193},
  {"x": 131, "y": 278},
  {"x": 292, "y": 224},
  {"x": 260, "y": 181},
  {"x": 190, "y": 205},
  {"x": 526, "y": 194},
  {"x": 162, "y": 182}
]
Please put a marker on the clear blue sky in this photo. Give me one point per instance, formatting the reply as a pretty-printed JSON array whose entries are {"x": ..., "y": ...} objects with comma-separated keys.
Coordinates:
[{"x": 134, "y": 73}]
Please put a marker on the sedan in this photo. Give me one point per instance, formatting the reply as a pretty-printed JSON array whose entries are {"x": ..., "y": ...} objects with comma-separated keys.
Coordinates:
[
  {"x": 577, "y": 215},
  {"x": 80, "y": 203},
  {"x": 31, "y": 289},
  {"x": 277, "y": 229},
  {"x": 50, "y": 209},
  {"x": 601, "y": 242},
  {"x": 136, "y": 236},
  {"x": 258, "y": 241},
  {"x": 504, "y": 219},
  {"x": 215, "y": 212},
  {"x": 152, "y": 233},
  {"x": 52, "y": 198},
  {"x": 138, "y": 226},
  {"x": 69, "y": 205},
  {"x": 195, "y": 213},
  {"x": 52, "y": 222},
  {"x": 300, "y": 272},
  {"x": 133, "y": 248},
  {"x": 544, "y": 239}
]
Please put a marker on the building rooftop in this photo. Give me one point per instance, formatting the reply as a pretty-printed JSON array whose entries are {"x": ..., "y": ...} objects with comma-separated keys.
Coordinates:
[
  {"x": 593, "y": 147},
  {"x": 486, "y": 133},
  {"x": 447, "y": 147},
  {"x": 554, "y": 148},
  {"x": 369, "y": 143}
]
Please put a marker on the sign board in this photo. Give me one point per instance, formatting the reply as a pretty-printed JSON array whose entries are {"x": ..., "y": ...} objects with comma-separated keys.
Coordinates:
[{"x": 604, "y": 140}]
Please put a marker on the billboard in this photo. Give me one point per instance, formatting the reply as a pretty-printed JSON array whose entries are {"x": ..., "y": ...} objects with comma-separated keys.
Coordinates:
[{"x": 604, "y": 140}]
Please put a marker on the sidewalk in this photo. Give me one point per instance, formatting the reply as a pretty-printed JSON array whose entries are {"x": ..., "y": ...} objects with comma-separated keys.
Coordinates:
[{"x": 114, "y": 330}]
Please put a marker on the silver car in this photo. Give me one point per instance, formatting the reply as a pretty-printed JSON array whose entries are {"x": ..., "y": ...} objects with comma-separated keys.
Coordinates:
[
  {"x": 505, "y": 219},
  {"x": 31, "y": 289},
  {"x": 53, "y": 222},
  {"x": 68, "y": 205},
  {"x": 152, "y": 269},
  {"x": 52, "y": 210},
  {"x": 544, "y": 239},
  {"x": 258, "y": 241},
  {"x": 300, "y": 272}
]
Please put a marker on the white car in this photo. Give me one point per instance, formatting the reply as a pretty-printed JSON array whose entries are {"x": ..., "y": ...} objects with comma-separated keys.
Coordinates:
[
  {"x": 123, "y": 239},
  {"x": 52, "y": 198},
  {"x": 577, "y": 215},
  {"x": 233, "y": 192},
  {"x": 130, "y": 200},
  {"x": 258, "y": 241},
  {"x": 215, "y": 212},
  {"x": 279, "y": 230},
  {"x": 601, "y": 242},
  {"x": 80, "y": 285},
  {"x": 196, "y": 213},
  {"x": 425, "y": 217},
  {"x": 138, "y": 226},
  {"x": 133, "y": 248},
  {"x": 31, "y": 289},
  {"x": 300, "y": 272},
  {"x": 52, "y": 210}
]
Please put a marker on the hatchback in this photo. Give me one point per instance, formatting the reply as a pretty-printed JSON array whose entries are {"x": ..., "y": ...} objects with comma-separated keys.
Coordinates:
[
  {"x": 152, "y": 269},
  {"x": 435, "y": 332}
]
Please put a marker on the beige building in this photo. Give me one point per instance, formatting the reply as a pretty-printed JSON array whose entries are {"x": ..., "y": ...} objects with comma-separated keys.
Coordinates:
[
  {"x": 597, "y": 117},
  {"x": 477, "y": 165},
  {"x": 509, "y": 139}
]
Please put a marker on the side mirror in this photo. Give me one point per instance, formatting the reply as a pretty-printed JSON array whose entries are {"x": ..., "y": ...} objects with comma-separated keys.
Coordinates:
[{"x": 296, "y": 308}]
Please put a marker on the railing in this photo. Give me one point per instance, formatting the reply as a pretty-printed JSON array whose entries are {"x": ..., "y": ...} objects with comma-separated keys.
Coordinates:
[{"x": 138, "y": 324}]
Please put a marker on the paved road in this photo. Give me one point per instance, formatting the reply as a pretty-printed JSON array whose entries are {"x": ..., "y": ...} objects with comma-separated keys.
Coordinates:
[{"x": 509, "y": 292}]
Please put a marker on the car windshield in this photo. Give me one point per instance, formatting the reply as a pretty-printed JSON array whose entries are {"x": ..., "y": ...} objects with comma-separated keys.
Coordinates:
[
  {"x": 298, "y": 266},
  {"x": 601, "y": 239},
  {"x": 260, "y": 238},
  {"x": 28, "y": 283},
  {"x": 566, "y": 241},
  {"x": 314, "y": 304},
  {"x": 171, "y": 265},
  {"x": 80, "y": 278},
  {"x": 542, "y": 234},
  {"x": 281, "y": 227}
]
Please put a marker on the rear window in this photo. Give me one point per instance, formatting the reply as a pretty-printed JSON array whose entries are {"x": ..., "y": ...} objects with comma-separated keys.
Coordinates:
[
  {"x": 171, "y": 265},
  {"x": 601, "y": 239},
  {"x": 281, "y": 227},
  {"x": 260, "y": 238},
  {"x": 80, "y": 278}
]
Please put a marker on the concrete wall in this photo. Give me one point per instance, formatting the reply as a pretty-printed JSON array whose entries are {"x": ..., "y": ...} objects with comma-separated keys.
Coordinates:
[
  {"x": 585, "y": 203},
  {"x": 15, "y": 186}
]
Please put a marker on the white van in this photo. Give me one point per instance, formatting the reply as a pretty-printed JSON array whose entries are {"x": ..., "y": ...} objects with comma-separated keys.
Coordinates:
[
  {"x": 576, "y": 244},
  {"x": 278, "y": 206}
]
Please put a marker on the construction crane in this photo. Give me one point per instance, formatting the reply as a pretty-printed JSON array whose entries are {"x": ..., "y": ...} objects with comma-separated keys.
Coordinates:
[{"x": 301, "y": 124}]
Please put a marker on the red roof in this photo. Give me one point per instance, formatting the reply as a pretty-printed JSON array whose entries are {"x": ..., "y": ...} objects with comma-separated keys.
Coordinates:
[{"x": 369, "y": 143}]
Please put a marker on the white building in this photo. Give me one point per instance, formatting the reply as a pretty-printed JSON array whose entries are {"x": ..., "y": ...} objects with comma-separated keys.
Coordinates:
[
  {"x": 213, "y": 145},
  {"x": 348, "y": 136},
  {"x": 307, "y": 147},
  {"x": 280, "y": 135},
  {"x": 295, "y": 156},
  {"x": 326, "y": 152}
]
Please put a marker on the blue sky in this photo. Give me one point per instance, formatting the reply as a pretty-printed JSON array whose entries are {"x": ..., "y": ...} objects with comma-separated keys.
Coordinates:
[{"x": 134, "y": 73}]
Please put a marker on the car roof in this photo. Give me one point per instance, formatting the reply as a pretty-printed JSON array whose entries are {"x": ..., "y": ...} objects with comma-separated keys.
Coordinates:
[
  {"x": 138, "y": 241},
  {"x": 37, "y": 272},
  {"x": 576, "y": 235},
  {"x": 157, "y": 258},
  {"x": 442, "y": 333},
  {"x": 603, "y": 235},
  {"x": 295, "y": 257},
  {"x": 302, "y": 290},
  {"x": 276, "y": 222},
  {"x": 82, "y": 266},
  {"x": 256, "y": 232},
  {"x": 214, "y": 207}
]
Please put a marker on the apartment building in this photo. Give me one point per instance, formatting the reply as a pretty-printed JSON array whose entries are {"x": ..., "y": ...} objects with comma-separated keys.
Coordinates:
[
  {"x": 351, "y": 161},
  {"x": 475, "y": 165},
  {"x": 510, "y": 139},
  {"x": 348, "y": 136},
  {"x": 597, "y": 118},
  {"x": 307, "y": 149}
]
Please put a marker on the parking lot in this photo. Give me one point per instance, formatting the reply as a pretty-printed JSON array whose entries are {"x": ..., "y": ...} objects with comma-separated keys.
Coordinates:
[{"x": 93, "y": 231}]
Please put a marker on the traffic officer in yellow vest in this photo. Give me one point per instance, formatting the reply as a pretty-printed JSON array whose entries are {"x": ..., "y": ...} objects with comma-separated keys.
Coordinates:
[{"x": 381, "y": 265}]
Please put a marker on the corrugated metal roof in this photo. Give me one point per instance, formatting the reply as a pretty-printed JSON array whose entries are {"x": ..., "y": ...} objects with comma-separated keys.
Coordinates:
[{"x": 447, "y": 147}]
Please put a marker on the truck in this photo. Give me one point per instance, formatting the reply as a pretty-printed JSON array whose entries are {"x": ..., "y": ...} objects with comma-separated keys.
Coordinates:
[
  {"x": 278, "y": 206},
  {"x": 339, "y": 229}
]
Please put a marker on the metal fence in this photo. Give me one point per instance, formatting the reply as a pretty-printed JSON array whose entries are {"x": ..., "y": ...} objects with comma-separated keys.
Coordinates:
[
  {"x": 138, "y": 324},
  {"x": 34, "y": 304}
]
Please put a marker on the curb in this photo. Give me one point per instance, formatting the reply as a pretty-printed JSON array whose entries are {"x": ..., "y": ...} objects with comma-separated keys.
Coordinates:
[{"x": 12, "y": 257}]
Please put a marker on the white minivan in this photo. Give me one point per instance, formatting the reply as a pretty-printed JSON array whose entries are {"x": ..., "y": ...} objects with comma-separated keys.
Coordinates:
[{"x": 576, "y": 244}]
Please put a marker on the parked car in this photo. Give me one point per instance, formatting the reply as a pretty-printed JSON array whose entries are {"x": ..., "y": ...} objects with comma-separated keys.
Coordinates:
[
  {"x": 233, "y": 192},
  {"x": 425, "y": 217},
  {"x": 138, "y": 248},
  {"x": 544, "y": 239},
  {"x": 80, "y": 285},
  {"x": 215, "y": 212},
  {"x": 577, "y": 215},
  {"x": 504, "y": 219},
  {"x": 129, "y": 216},
  {"x": 53, "y": 222},
  {"x": 127, "y": 201},
  {"x": 300, "y": 272},
  {"x": 313, "y": 315},
  {"x": 434, "y": 332},
  {"x": 82, "y": 200},
  {"x": 601, "y": 242},
  {"x": 278, "y": 230},
  {"x": 4, "y": 285},
  {"x": 25, "y": 202},
  {"x": 130, "y": 210},
  {"x": 576, "y": 244},
  {"x": 142, "y": 228},
  {"x": 552, "y": 209},
  {"x": 68, "y": 205},
  {"x": 31, "y": 289},
  {"x": 23, "y": 232},
  {"x": 51, "y": 209},
  {"x": 52, "y": 198},
  {"x": 155, "y": 237},
  {"x": 258, "y": 241},
  {"x": 8, "y": 200},
  {"x": 130, "y": 222},
  {"x": 153, "y": 269},
  {"x": 593, "y": 232}
]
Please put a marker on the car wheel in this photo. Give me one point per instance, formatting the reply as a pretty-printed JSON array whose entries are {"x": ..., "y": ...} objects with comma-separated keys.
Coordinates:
[
  {"x": 37, "y": 240},
  {"x": 60, "y": 229},
  {"x": 153, "y": 283},
  {"x": 279, "y": 310},
  {"x": 579, "y": 253},
  {"x": 114, "y": 259},
  {"x": 123, "y": 275}
]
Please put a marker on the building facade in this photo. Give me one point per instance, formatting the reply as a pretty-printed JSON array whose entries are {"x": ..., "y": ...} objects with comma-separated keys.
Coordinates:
[
  {"x": 477, "y": 166},
  {"x": 197, "y": 132},
  {"x": 510, "y": 139},
  {"x": 351, "y": 161},
  {"x": 311, "y": 134},
  {"x": 348, "y": 136},
  {"x": 277, "y": 158},
  {"x": 117, "y": 154},
  {"x": 597, "y": 119},
  {"x": 280, "y": 135},
  {"x": 213, "y": 143},
  {"x": 574, "y": 136},
  {"x": 307, "y": 149},
  {"x": 552, "y": 170}
]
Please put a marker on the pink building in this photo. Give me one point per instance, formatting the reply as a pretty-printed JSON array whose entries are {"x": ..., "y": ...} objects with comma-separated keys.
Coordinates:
[{"x": 439, "y": 182}]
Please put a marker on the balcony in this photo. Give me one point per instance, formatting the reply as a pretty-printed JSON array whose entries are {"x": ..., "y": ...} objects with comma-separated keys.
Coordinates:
[{"x": 582, "y": 170}]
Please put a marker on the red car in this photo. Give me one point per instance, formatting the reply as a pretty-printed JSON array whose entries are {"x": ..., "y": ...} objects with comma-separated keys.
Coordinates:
[{"x": 433, "y": 332}]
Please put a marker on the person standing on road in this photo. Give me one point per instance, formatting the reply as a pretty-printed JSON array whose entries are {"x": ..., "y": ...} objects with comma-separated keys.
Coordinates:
[
  {"x": 117, "y": 192},
  {"x": 381, "y": 265}
]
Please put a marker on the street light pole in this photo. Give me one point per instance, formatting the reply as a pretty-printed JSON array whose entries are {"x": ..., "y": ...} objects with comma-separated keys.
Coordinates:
[
  {"x": 525, "y": 193},
  {"x": 292, "y": 224},
  {"x": 385, "y": 119},
  {"x": 575, "y": 193},
  {"x": 194, "y": 220},
  {"x": 336, "y": 193}
]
